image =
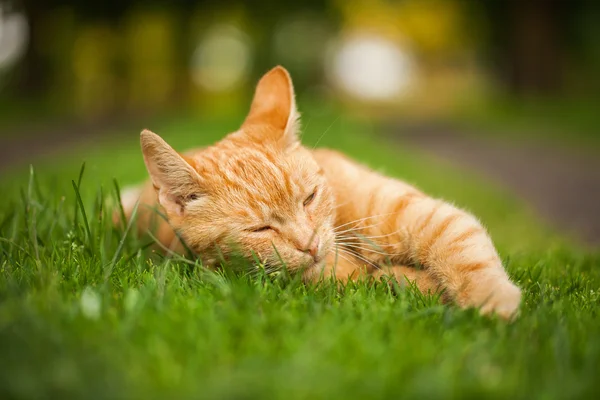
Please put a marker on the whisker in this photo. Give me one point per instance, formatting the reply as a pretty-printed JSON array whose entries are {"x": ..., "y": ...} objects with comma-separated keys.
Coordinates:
[
  {"x": 374, "y": 248},
  {"x": 381, "y": 236},
  {"x": 357, "y": 241},
  {"x": 356, "y": 221},
  {"x": 346, "y": 258},
  {"x": 305, "y": 128},
  {"x": 326, "y": 130},
  {"x": 365, "y": 237},
  {"x": 369, "y": 217},
  {"x": 358, "y": 228},
  {"x": 388, "y": 256},
  {"x": 367, "y": 249},
  {"x": 366, "y": 218},
  {"x": 360, "y": 257}
]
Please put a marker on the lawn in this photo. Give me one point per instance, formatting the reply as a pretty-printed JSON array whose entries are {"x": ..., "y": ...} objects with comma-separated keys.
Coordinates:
[{"x": 87, "y": 311}]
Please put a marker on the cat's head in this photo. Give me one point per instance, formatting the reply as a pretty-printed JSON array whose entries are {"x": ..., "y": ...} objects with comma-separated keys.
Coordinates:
[{"x": 258, "y": 191}]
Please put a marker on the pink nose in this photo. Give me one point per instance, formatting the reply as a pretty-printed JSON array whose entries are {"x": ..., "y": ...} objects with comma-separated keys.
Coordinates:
[{"x": 313, "y": 248}]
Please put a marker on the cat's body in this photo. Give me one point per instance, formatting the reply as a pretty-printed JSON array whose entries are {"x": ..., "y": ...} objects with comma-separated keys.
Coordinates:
[{"x": 259, "y": 192}]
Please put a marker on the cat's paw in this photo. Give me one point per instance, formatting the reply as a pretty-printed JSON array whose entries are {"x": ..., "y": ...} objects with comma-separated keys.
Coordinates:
[
  {"x": 492, "y": 295},
  {"x": 504, "y": 301}
]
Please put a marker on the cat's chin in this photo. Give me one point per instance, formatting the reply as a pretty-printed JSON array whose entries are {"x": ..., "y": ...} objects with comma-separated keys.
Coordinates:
[
  {"x": 313, "y": 272},
  {"x": 305, "y": 267}
]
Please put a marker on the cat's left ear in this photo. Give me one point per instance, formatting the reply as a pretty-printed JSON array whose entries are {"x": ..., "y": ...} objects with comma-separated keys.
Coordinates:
[
  {"x": 174, "y": 178},
  {"x": 273, "y": 116}
]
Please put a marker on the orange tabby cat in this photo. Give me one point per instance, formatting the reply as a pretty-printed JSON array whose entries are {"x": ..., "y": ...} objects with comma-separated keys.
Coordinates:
[{"x": 259, "y": 191}]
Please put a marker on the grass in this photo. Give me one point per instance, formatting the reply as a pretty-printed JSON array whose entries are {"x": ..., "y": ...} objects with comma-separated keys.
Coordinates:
[{"x": 86, "y": 311}]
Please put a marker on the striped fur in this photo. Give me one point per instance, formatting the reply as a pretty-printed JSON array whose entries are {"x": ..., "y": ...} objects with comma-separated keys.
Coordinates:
[{"x": 259, "y": 192}]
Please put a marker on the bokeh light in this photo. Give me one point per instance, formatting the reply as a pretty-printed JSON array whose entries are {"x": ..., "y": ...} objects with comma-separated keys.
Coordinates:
[
  {"x": 371, "y": 67},
  {"x": 14, "y": 35},
  {"x": 222, "y": 60}
]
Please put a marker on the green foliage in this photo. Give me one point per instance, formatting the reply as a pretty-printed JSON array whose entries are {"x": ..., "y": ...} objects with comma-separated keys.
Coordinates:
[{"x": 87, "y": 310}]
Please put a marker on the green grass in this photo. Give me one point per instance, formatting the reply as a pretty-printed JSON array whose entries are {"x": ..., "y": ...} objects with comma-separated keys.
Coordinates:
[{"x": 87, "y": 312}]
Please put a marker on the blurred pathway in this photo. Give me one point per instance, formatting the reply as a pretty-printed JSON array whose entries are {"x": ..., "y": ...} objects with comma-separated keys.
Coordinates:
[
  {"x": 563, "y": 184},
  {"x": 23, "y": 145}
]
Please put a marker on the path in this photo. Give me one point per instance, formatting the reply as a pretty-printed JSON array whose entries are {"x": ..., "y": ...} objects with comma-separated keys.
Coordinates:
[
  {"x": 563, "y": 184},
  {"x": 24, "y": 144}
]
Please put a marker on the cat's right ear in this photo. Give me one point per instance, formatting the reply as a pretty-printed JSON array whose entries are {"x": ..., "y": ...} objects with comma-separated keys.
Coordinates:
[
  {"x": 273, "y": 117},
  {"x": 175, "y": 180}
]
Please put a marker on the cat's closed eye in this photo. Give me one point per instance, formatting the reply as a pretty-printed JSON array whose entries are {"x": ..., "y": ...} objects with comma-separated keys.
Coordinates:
[
  {"x": 310, "y": 198},
  {"x": 183, "y": 200},
  {"x": 261, "y": 229},
  {"x": 192, "y": 197}
]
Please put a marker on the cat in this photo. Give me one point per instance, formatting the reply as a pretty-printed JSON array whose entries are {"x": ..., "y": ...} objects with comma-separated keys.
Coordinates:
[{"x": 258, "y": 191}]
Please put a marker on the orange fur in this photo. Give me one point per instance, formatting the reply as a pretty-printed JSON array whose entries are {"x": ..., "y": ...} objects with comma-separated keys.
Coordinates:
[{"x": 259, "y": 189}]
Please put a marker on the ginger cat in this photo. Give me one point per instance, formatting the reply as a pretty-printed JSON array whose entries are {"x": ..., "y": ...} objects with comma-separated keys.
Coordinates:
[{"x": 260, "y": 192}]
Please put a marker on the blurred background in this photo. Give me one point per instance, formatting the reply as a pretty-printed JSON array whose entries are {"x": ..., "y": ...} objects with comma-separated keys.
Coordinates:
[
  {"x": 439, "y": 75},
  {"x": 93, "y": 60}
]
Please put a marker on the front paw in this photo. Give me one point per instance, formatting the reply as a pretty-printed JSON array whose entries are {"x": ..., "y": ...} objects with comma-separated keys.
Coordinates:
[
  {"x": 504, "y": 300},
  {"x": 493, "y": 296}
]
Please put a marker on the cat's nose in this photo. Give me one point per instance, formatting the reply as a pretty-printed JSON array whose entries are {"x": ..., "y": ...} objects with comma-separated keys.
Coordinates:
[{"x": 313, "y": 247}]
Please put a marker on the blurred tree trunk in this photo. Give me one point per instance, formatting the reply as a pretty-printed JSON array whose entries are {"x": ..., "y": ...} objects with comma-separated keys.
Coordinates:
[
  {"x": 32, "y": 79},
  {"x": 536, "y": 56}
]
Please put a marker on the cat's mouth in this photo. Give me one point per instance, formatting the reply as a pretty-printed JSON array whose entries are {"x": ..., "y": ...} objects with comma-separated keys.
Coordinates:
[{"x": 310, "y": 264}]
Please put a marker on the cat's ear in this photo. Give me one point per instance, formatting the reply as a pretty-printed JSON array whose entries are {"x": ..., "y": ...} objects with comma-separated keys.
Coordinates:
[
  {"x": 175, "y": 180},
  {"x": 273, "y": 107}
]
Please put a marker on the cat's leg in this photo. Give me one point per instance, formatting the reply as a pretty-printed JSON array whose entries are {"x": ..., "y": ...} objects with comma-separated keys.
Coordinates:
[
  {"x": 345, "y": 267},
  {"x": 457, "y": 251},
  {"x": 415, "y": 229}
]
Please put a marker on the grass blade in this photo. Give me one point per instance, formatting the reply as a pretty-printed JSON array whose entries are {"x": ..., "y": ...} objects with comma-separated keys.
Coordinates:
[
  {"x": 111, "y": 266},
  {"x": 84, "y": 215},
  {"x": 76, "y": 215},
  {"x": 121, "y": 209}
]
